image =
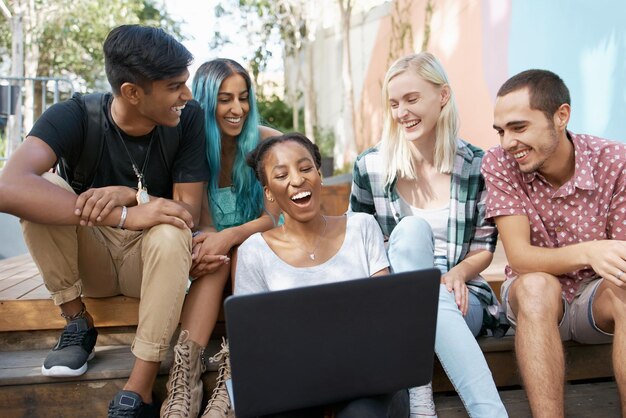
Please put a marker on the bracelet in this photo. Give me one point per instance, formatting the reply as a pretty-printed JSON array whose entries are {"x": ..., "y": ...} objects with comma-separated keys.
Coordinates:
[
  {"x": 80, "y": 314},
  {"x": 122, "y": 218}
]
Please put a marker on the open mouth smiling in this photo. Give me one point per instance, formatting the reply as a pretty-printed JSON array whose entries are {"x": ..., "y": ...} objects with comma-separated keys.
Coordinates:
[
  {"x": 177, "y": 109},
  {"x": 301, "y": 198}
]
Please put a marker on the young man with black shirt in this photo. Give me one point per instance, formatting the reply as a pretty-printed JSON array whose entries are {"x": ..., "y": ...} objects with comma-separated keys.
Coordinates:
[{"x": 130, "y": 232}]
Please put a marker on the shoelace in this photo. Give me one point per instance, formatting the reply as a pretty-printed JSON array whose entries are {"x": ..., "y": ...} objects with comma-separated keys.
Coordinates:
[
  {"x": 72, "y": 338},
  {"x": 223, "y": 354},
  {"x": 179, "y": 393},
  {"x": 422, "y": 397},
  {"x": 219, "y": 397}
]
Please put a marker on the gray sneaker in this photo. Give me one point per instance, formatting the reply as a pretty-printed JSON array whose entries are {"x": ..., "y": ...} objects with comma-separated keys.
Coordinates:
[{"x": 75, "y": 347}]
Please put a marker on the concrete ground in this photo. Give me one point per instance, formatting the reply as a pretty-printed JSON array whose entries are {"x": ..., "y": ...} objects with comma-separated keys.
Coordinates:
[{"x": 11, "y": 241}]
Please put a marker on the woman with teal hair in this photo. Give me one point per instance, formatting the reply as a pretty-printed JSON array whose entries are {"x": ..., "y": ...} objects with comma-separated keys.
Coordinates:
[{"x": 233, "y": 209}]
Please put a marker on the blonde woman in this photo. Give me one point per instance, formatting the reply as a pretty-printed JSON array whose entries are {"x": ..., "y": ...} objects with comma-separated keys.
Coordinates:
[{"x": 423, "y": 185}]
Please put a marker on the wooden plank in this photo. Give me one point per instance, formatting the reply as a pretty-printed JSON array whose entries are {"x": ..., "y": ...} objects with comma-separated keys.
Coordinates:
[
  {"x": 13, "y": 261},
  {"x": 44, "y": 340},
  {"x": 582, "y": 362},
  {"x": 39, "y": 292},
  {"x": 24, "y": 284},
  {"x": 596, "y": 399},
  {"x": 25, "y": 315},
  {"x": 82, "y": 399},
  {"x": 110, "y": 362},
  {"x": 7, "y": 284},
  {"x": 8, "y": 273}
]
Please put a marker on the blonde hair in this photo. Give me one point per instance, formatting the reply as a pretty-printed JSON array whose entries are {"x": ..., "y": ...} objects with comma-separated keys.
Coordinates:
[{"x": 395, "y": 150}]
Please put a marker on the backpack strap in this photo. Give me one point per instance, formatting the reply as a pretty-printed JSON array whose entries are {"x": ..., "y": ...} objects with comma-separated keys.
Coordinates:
[{"x": 96, "y": 128}]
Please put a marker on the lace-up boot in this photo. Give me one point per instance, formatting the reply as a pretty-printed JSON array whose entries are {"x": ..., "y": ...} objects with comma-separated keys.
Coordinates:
[
  {"x": 184, "y": 386},
  {"x": 219, "y": 405}
]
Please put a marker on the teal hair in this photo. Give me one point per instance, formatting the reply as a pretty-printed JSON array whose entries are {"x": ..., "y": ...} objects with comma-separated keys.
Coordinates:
[{"x": 205, "y": 87}]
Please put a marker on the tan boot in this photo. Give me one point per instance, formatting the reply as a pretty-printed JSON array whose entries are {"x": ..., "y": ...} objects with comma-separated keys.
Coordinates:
[
  {"x": 219, "y": 405},
  {"x": 184, "y": 386}
]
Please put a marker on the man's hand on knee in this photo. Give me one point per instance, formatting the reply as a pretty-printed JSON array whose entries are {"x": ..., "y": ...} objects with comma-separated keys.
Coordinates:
[
  {"x": 94, "y": 205},
  {"x": 608, "y": 259}
]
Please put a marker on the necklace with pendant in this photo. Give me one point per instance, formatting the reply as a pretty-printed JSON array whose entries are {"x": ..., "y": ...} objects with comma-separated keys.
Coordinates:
[
  {"x": 317, "y": 241},
  {"x": 142, "y": 188}
]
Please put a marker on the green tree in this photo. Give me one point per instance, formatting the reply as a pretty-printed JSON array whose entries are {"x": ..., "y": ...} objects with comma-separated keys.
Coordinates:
[
  {"x": 65, "y": 37},
  {"x": 276, "y": 113},
  {"x": 292, "y": 23}
]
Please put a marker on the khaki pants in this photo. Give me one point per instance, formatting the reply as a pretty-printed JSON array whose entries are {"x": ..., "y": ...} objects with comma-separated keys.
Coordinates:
[{"x": 152, "y": 265}]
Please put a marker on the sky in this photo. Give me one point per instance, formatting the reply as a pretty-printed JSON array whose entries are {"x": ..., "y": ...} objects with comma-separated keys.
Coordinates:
[{"x": 199, "y": 24}]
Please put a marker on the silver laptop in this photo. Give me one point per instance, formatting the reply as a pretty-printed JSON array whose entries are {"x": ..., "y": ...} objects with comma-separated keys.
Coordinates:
[{"x": 323, "y": 344}]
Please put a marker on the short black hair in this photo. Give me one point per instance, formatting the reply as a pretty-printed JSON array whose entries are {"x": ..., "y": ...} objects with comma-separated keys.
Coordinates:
[
  {"x": 256, "y": 157},
  {"x": 546, "y": 90},
  {"x": 142, "y": 54}
]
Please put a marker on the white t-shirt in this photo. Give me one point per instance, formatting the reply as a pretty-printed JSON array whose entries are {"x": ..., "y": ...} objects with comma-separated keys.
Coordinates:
[{"x": 361, "y": 255}]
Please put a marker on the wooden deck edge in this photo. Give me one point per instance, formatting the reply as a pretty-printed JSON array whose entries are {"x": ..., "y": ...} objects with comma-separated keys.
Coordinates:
[
  {"x": 41, "y": 314},
  {"x": 583, "y": 362},
  {"x": 110, "y": 362}
]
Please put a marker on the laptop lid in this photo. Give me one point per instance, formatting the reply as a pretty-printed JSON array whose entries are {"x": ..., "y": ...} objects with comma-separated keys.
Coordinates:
[{"x": 318, "y": 345}]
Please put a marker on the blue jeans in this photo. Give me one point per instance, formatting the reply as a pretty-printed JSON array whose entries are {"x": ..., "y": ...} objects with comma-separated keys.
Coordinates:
[{"x": 411, "y": 247}]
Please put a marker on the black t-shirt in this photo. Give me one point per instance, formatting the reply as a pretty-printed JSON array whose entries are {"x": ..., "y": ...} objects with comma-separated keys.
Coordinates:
[{"x": 62, "y": 127}]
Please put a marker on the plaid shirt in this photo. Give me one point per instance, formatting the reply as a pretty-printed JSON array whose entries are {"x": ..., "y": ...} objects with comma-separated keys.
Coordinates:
[{"x": 468, "y": 230}]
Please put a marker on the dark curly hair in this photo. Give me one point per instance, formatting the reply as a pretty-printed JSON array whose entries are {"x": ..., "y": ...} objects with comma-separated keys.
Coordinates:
[{"x": 256, "y": 157}]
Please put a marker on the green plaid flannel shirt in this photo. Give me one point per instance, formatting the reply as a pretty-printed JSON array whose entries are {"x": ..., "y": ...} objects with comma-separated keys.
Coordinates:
[{"x": 468, "y": 230}]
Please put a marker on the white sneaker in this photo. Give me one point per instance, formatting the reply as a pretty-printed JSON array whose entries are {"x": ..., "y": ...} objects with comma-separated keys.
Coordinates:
[{"x": 421, "y": 402}]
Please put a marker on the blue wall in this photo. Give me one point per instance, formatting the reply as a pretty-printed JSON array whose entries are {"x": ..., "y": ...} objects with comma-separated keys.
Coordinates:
[{"x": 585, "y": 43}]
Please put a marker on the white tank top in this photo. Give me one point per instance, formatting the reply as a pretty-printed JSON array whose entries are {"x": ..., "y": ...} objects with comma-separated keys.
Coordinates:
[{"x": 438, "y": 221}]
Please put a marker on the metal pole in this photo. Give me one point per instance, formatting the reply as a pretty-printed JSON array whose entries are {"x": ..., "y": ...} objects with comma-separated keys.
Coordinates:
[{"x": 14, "y": 126}]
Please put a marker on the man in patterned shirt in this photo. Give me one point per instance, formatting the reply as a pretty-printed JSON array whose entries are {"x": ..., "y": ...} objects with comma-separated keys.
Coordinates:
[{"x": 559, "y": 201}]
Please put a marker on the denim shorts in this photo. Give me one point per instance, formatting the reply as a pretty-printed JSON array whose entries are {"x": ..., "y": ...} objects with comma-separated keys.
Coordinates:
[{"x": 577, "y": 323}]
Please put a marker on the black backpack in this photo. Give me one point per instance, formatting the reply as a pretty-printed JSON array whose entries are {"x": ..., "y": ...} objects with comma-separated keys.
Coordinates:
[{"x": 96, "y": 128}]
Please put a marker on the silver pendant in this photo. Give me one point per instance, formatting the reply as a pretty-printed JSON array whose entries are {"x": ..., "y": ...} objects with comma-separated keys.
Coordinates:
[
  {"x": 142, "y": 194},
  {"x": 312, "y": 256}
]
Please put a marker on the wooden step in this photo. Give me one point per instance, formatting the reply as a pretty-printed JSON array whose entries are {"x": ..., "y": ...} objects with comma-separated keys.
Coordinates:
[
  {"x": 598, "y": 399},
  {"x": 76, "y": 399},
  {"x": 25, "y": 392},
  {"x": 582, "y": 362}
]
